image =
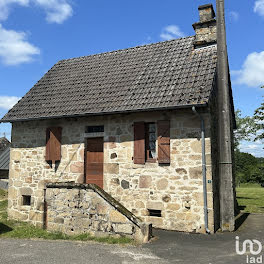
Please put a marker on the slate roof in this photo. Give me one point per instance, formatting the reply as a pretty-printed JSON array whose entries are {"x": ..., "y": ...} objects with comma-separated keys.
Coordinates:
[
  {"x": 4, "y": 143},
  {"x": 4, "y": 159},
  {"x": 156, "y": 76}
]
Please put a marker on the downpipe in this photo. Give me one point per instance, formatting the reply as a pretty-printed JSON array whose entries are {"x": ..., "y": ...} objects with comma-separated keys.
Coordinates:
[{"x": 203, "y": 170}]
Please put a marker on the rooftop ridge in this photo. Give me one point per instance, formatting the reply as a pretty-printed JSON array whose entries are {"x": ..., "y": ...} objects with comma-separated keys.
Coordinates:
[{"x": 125, "y": 49}]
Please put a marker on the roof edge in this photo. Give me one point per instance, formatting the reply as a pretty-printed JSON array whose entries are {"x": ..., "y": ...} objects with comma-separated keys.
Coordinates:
[{"x": 105, "y": 113}]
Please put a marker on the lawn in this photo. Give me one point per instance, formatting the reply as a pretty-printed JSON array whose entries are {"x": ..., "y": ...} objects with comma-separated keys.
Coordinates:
[
  {"x": 3, "y": 194},
  {"x": 250, "y": 198},
  {"x": 16, "y": 229}
]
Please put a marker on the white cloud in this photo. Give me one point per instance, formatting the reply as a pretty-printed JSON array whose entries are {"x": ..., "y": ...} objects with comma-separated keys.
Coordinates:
[
  {"x": 6, "y": 4},
  {"x": 57, "y": 11},
  {"x": 147, "y": 41},
  {"x": 7, "y": 102},
  {"x": 234, "y": 15},
  {"x": 14, "y": 48},
  {"x": 253, "y": 146},
  {"x": 259, "y": 7},
  {"x": 171, "y": 32},
  {"x": 255, "y": 149},
  {"x": 252, "y": 72}
]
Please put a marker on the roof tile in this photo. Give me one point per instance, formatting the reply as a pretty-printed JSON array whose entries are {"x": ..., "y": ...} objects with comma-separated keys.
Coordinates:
[{"x": 164, "y": 74}]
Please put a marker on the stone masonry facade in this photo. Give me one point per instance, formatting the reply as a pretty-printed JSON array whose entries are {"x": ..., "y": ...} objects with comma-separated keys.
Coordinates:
[
  {"x": 84, "y": 208},
  {"x": 175, "y": 189}
]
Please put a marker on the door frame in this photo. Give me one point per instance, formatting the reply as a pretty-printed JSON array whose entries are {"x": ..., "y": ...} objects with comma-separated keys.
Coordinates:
[{"x": 85, "y": 156}]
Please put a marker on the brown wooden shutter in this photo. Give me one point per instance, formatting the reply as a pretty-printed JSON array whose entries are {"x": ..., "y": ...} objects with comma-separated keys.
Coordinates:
[
  {"x": 164, "y": 141},
  {"x": 47, "y": 157},
  {"x": 139, "y": 143},
  {"x": 53, "y": 144}
]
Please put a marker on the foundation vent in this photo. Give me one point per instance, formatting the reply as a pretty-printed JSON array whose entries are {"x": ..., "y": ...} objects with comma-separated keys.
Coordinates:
[
  {"x": 26, "y": 200},
  {"x": 155, "y": 213}
]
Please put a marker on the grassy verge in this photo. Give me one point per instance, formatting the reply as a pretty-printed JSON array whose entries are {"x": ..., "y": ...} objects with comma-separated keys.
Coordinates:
[
  {"x": 16, "y": 229},
  {"x": 250, "y": 198},
  {"x": 3, "y": 194}
]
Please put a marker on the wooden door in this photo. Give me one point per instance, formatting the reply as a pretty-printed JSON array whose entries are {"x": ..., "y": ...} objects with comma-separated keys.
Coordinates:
[{"x": 94, "y": 161}]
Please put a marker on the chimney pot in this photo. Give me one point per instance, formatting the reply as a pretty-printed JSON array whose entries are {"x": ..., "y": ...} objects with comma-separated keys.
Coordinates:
[
  {"x": 205, "y": 29},
  {"x": 206, "y": 12}
]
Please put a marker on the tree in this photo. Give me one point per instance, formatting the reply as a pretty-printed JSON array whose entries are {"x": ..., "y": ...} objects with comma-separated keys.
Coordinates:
[
  {"x": 259, "y": 122},
  {"x": 248, "y": 168},
  {"x": 245, "y": 127}
]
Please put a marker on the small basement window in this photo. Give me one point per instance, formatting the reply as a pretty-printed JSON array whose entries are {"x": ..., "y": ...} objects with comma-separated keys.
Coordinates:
[
  {"x": 155, "y": 213},
  {"x": 26, "y": 200}
]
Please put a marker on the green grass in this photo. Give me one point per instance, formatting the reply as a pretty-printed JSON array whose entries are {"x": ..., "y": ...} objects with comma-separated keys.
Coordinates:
[
  {"x": 250, "y": 197},
  {"x": 16, "y": 229},
  {"x": 3, "y": 205},
  {"x": 3, "y": 194}
]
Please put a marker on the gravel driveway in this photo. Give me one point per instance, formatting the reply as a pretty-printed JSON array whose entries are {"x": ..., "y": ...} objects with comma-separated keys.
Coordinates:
[{"x": 170, "y": 247}]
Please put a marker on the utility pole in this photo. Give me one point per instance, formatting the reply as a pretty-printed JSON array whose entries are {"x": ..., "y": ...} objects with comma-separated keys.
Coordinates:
[{"x": 224, "y": 126}]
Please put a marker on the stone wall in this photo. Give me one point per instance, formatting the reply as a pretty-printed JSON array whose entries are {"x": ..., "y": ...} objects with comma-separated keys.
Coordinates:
[
  {"x": 86, "y": 208},
  {"x": 205, "y": 32},
  {"x": 176, "y": 189}
]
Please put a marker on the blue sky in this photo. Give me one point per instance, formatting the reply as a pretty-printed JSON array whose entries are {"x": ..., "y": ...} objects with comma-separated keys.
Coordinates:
[{"x": 35, "y": 34}]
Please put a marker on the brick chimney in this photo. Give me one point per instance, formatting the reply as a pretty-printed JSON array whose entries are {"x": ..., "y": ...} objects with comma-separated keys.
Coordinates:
[{"x": 205, "y": 29}]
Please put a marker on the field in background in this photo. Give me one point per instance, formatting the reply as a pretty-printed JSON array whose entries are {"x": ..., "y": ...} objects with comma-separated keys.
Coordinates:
[{"x": 250, "y": 197}]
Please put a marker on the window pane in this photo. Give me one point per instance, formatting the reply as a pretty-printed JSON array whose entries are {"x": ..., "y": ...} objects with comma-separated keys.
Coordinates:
[
  {"x": 152, "y": 136},
  {"x": 94, "y": 129},
  {"x": 152, "y": 128},
  {"x": 152, "y": 154},
  {"x": 152, "y": 145}
]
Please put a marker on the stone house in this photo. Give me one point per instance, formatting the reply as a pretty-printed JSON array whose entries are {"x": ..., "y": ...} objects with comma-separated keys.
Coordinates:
[
  {"x": 4, "y": 158},
  {"x": 129, "y": 121},
  {"x": 4, "y": 144}
]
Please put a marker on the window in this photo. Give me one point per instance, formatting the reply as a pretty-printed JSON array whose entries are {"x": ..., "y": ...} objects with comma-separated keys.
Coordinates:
[
  {"x": 150, "y": 140},
  {"x": 145, "y": 137},
  {"x": 94, "y": 129},
  {"x": 26, "y": 200},
  {"x": 155, "y": 213}
]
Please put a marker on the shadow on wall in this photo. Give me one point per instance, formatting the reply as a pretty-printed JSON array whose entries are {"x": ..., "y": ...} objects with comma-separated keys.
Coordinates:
[
  {"x": 57, "y": 163},
  {"x": 187, "y": 127}
]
